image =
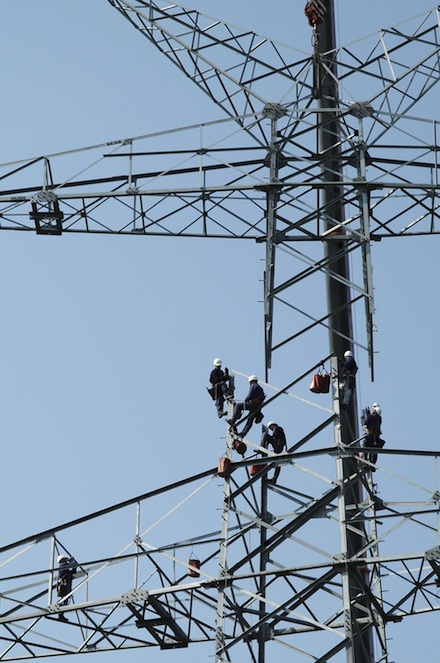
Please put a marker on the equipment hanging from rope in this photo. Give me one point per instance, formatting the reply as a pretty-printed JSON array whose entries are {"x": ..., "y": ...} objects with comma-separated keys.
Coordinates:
[{"x": 315, "y": 11}]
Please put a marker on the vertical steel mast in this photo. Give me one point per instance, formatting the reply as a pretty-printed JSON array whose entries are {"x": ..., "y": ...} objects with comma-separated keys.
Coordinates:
[{"x": 359, "y": 649}]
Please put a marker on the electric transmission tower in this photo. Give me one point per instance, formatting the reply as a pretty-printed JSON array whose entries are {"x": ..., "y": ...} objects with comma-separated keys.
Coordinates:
[{"x": 316, "y": 159}]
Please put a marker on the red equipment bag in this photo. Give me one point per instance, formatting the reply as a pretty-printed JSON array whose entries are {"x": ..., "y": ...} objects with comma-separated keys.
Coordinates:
[
  {"x": 320, "y": 383},
  {"x": 224, "y": 467}
]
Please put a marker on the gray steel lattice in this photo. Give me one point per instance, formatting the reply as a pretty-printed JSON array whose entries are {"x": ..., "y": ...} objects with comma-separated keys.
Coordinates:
[
  {"x": 166, "y": 608},
  {"x": 225, "y": 187}
]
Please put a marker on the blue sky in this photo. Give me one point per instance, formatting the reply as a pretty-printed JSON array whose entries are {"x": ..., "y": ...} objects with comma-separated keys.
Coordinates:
[{"x": 107, "y": 342}]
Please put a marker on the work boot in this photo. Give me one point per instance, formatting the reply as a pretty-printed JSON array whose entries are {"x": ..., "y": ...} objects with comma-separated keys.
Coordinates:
[{"x": 221, "y": 414}]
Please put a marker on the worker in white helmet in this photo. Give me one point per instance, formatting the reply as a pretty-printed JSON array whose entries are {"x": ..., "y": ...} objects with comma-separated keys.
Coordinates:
[
  {"x": 222, "y": 386},
  {"x": 372, "y": 423},
  {"x": 66, "y": 571},
  {"x": 253, "y": 402},
  {"x": 277, "y": 439},
  {"x": 347, "y": 381}
]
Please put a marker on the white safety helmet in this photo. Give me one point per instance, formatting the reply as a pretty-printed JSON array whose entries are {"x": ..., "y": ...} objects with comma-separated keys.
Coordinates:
[
  {"x": 217, "y": 362},
  {"x": 271, "y": 423},
  {"x": 252, "y": 378},
  {"x": 376, "y": 407},
  {"x": 60, "y": 557},
  {"x": 348, "y": 353}
]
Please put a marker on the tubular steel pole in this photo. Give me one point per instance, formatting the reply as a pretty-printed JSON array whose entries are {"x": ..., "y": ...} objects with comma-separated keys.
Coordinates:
[{"x": 359, "y": 648}]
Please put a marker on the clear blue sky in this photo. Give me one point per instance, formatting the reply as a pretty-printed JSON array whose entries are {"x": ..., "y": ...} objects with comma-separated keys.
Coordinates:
[{"x": 106, "y": 343}]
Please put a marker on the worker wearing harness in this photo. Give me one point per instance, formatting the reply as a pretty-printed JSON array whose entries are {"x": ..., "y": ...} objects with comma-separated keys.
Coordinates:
[
  {"x": 372, "y": 423},
  {"x": 278, "y": 442},
  {"x": 253, "y": 402},
  {"x": 66, "y": 571},
  {"x": 221, "y": 386},
  {"x": 347, "y": 381}
]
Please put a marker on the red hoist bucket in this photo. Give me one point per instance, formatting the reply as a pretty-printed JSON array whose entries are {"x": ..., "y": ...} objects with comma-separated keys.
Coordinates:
[
  {"x": 240, "y": 447},
  {"x": 255, "y": 469},
  {"x": 194, "y": 566}
]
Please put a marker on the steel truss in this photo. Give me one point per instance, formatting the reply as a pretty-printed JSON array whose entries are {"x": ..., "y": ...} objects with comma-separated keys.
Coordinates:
[
  {"x": 257, "y": 175},
  {"x": 140, "y": 593}
]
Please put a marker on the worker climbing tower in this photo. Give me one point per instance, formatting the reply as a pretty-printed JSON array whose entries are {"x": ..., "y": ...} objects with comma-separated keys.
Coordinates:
[{"x": 307, "y": 165}]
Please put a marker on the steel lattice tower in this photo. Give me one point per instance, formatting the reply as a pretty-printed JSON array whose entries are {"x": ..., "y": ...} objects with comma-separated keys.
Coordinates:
[{"x": 308, "y": 163}]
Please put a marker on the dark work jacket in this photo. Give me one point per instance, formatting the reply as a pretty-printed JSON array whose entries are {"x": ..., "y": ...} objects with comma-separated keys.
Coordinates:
[
  {"x": 349, "y": 366},
  {"x": 66, "y": 571},
  {"x": 217, "y": 376},
  {"x": 278, "y": 440},
  {"x": 373, "y": 423},
  {"x": 256, "y": 393}
]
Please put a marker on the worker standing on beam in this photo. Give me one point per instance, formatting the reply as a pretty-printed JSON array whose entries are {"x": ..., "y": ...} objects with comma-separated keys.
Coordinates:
[
  {"x": 347, "y": 382},
  {"x": 222, "y": 386},
  {"x": 66, "y": 571},
  {"x": 372, "y": 422},
  {"x": 278, "y": 442}
]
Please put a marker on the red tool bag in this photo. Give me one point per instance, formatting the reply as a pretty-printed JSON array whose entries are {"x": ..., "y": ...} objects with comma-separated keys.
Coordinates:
[
  {"x": 224, "y": 467},
  {"x": 320, "y": 383}
]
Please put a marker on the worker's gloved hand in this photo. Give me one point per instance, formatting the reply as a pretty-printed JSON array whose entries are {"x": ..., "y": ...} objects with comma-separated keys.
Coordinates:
[{"x": 226, "y": 371}]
